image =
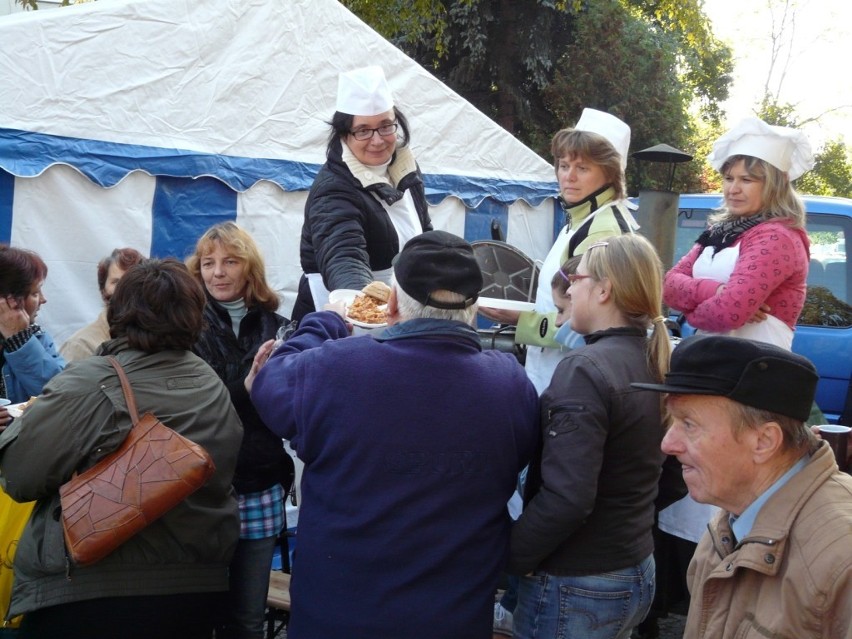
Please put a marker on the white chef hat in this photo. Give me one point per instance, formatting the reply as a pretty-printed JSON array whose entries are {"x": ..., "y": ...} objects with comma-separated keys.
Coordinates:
[
  {"x": 614, "y": 130},
  {"x": 786, "y": 149},
  {"x": 363, "y": 91}
]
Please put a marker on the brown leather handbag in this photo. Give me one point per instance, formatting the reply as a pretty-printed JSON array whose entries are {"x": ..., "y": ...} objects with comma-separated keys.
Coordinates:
[{"x": 152, "y": 471}]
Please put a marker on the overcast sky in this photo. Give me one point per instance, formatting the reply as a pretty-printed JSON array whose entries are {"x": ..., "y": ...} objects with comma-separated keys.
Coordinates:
[{"x": 819, "y": 71}]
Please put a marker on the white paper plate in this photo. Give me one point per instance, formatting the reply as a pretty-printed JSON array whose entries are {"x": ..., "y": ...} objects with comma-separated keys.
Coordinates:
[
  {"x": 16, "y": 410},
  {"x": 506, "y": 305},
  {"x": 347, "y": 296},
  {"x": 364, "y": 324}
]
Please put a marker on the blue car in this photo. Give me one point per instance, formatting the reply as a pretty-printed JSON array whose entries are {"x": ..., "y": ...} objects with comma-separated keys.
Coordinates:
[{"x": 824, "y": 331}]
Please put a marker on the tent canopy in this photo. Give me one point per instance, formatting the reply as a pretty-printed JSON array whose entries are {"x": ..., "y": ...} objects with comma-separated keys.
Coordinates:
[{"x": 142, "y": 122}]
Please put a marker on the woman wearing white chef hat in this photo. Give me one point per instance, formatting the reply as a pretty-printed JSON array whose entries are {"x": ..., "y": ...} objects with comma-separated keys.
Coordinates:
[
  {"x": 368, "y": 198},
  {"x": 746, "y": 275},
  {"x": 589, "y": 160}
]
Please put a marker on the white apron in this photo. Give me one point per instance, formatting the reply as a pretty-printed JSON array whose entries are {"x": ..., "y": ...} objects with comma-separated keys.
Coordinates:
[
  {"x": 403, "y": 216},
  {"x": 719, "y": 267},
  {"x": 541, "y": 361}
]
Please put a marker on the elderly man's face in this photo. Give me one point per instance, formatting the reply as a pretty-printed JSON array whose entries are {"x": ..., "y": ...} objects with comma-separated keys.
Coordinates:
[{"x": 717, "y": 468}]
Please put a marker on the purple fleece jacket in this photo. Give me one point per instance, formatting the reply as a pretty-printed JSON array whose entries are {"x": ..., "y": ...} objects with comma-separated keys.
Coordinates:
[{"x": 412, "y": 442}]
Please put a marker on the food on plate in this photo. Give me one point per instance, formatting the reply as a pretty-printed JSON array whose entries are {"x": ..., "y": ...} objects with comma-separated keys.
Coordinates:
[
  {"x": 378, "y": 290},
  {"x": 16, "y": 410},
  {"x": 368, "y": 310}
]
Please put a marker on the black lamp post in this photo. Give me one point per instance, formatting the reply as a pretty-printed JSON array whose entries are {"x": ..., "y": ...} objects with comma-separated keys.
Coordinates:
[{"x": 657, "y": 214}]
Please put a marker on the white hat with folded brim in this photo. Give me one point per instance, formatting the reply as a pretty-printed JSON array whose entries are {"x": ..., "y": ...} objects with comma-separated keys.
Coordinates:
[
  {"x": 364, "y": 91},
  {"x": 786, "y": 149},
  {"x": 614, "y": 130}
]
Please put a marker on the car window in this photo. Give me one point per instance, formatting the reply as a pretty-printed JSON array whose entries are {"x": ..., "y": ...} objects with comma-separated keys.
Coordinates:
[
  {"x": 828, "y": 298},
  {"x": 690, "y": 224}
]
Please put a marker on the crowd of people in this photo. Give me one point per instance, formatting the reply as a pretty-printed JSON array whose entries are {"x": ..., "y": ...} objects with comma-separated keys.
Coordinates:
[{"x": 413, "y": 438}]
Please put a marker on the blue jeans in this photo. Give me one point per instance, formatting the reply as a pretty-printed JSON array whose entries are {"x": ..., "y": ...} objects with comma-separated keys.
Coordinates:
[
  {"x": 603, "y": 606},
  {"x": 249, "y": 576}
]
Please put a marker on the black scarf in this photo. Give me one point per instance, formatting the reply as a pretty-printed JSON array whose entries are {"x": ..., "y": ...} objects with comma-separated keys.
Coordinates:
[{"x": 723, "y": 234}]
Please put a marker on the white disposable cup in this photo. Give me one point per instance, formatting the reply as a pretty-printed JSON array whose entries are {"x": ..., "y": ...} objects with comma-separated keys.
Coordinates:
[{"x": 4, "y": 401}]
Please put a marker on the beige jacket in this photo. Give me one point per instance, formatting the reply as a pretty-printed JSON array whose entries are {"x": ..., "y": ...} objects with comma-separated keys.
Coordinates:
[
  {"x": 85, "y": 342},
  {"x": 791, "y": 578}
]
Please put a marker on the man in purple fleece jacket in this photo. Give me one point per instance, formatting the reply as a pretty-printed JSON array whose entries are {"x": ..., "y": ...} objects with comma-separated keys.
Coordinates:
[{"x": 412, "y": 441}]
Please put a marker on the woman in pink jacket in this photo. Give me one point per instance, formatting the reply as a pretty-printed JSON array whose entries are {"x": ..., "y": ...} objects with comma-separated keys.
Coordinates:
[{"x": 745, "y": 276}]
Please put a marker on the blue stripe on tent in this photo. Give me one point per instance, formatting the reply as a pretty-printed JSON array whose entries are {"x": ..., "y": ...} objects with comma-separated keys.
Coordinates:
[
  {"x": 472, "y": 190},
  {"x": 7, "y": 198},
  {"x": 29, "y": 154},
  {"x": 477, "y": 222},
  {"x": 184, "y": 209},
  {"x": 559, "y": 218}
]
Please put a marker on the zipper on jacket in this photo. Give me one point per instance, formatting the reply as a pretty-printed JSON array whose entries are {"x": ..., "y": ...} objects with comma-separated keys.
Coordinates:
[{"x": 568, "y": 407}]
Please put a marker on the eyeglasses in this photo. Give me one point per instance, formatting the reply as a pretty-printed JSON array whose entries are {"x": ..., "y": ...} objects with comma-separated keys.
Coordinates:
[
  {"x": 572, "y": 278},
  {"x": 384, "y": 131}
]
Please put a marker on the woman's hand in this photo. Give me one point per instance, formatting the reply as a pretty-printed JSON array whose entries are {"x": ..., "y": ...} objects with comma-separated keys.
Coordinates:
[
  {"x": 760, "y": 314},
  {"x": 260, "y": 359},
  {"x": 13, "y": 317},
  {"x": 500, "y": 315},
  {"x": 5, "y": 418},
  {"x": 336, "y": 307}
]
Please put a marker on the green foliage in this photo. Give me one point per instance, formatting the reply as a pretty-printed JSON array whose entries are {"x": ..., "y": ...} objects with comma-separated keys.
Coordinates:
[
  {"x": 532, "y": 66},
  {"x": 705, "y": 64},
  {"x": 622, "y": 63},
  {"x": 832, "y": 172},
  {"x": 824, "y": 237}
]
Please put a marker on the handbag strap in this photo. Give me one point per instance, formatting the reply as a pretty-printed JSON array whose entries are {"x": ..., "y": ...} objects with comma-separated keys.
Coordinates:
[{"x": 129, "y": 397}]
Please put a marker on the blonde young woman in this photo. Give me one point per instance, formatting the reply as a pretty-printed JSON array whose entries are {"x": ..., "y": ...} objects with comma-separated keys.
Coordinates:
[{"x": 586, "y": 526}]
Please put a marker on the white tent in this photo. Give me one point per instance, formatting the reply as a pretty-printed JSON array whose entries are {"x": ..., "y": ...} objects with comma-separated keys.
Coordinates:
[{"x": 142, "y": 122}]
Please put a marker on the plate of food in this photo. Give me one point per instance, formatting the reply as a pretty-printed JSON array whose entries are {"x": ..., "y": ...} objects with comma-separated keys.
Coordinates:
[
  {"x": 16, "y": 410},
  {"x": 366, "y": 308}
]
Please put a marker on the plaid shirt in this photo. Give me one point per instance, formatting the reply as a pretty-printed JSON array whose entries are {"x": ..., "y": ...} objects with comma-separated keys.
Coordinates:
[{"x": 262, "y": 514}]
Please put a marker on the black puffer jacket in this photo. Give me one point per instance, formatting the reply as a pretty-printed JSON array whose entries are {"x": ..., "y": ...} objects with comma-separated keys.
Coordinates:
[
  {"x": 347, "y": 233},
  {"x": 262, "y": 460}
]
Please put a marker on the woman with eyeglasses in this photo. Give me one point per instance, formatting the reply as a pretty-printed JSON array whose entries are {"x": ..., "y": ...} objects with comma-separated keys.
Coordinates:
[
  {"x": 368, "y": 198},
  {"x": 589, "y": 161},
  {"x": 583, "y": 545}
]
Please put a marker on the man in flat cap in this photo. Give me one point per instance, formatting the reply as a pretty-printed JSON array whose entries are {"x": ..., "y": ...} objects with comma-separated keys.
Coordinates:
[
  {"x": 777, "y": 560},
  {"x": 412, "y": 441}
]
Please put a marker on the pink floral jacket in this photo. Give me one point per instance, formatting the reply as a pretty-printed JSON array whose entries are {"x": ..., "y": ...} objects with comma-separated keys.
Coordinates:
[{"x": 772, "y": 268}]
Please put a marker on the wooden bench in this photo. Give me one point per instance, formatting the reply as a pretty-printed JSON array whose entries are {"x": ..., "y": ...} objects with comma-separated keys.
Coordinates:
[{"x": 277, "y": 602}]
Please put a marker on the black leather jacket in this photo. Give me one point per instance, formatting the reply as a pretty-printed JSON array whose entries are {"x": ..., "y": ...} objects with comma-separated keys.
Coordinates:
[{"x": 262, "y": 460}]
